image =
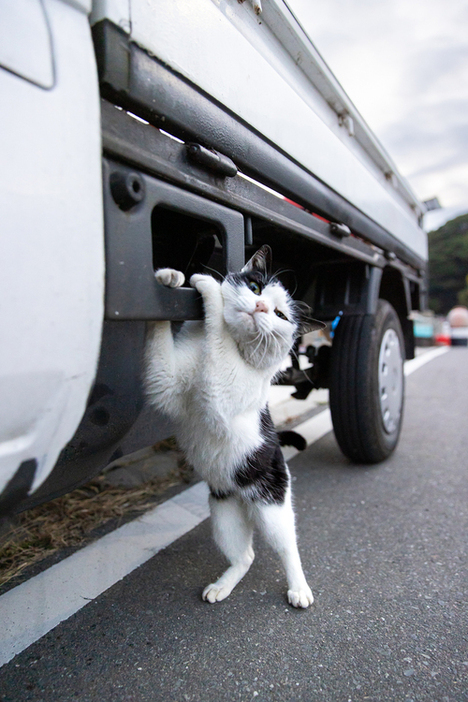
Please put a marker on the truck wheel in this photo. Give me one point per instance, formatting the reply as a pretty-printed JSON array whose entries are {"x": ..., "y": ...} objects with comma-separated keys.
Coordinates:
[{"x": 367, "y": 384}]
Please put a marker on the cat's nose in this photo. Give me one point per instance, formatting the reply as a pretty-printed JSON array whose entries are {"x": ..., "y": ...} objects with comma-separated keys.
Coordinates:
[{"x": 261, "y": 307}]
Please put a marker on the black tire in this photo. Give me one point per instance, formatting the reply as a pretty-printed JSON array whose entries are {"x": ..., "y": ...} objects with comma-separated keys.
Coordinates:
[{"x": 366, "y": 412}]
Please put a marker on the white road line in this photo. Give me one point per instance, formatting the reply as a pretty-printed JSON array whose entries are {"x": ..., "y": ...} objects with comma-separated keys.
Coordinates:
[
  {"x": 415, "y": 363},
  {"x": 30, "y": 610}
]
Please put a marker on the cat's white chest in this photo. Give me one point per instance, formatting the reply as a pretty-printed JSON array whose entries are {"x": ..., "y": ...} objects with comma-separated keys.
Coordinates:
[
  {"x": 220, "y": 420},
  {"x": 216, "y": 455}
]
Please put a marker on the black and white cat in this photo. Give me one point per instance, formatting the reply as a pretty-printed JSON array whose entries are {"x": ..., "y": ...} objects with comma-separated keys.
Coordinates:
[{"x": 213, "y": 380}]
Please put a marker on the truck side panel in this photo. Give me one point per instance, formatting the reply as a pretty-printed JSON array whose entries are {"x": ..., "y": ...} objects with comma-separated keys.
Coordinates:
[
  {"x": 232, "y": 55},
  {"x": 52, "y": 263}
]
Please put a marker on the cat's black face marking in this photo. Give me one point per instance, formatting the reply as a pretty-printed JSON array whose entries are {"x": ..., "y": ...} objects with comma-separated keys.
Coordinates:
[
  {"x": 260, "y": 261},
  {"x": 264, "y": 473},
  {"x": 248, "y": 278},
  {"x": 256, "y": 271}
]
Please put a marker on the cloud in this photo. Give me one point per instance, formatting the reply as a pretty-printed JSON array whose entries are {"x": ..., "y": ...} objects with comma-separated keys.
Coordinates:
[
  {"x": 405, "y": 66},
  {"x": 436, "y": 68},
  {"x": 430, "y": 147},
  {"x": 419, "y": 138}
]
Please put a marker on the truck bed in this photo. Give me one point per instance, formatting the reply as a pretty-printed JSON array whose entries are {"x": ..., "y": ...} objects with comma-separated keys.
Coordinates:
[{"x": 265, "y": 73}]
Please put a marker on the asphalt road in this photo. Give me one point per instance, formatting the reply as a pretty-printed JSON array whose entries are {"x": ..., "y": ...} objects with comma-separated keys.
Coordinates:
[{"x": 384, "y": 549}]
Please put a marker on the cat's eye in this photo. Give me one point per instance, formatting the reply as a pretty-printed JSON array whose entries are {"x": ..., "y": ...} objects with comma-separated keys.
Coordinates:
[
  {"x": 254, "y": 287},
  {"x": 281, "y": 315}
]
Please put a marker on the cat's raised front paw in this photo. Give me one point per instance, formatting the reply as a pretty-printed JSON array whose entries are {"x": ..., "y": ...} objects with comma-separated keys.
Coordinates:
[
  {"x": 215, "y": 593},
  {"x": 170, "y": 277},
  {"x": 302, "y": 597},
  {"x": 203, "y": 283}
]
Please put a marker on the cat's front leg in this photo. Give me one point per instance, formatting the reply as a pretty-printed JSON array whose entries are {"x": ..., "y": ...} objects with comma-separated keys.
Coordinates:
[
  {"x": 162, "y": 376},
  {"x": 160, "y": 344},
  {"x": 210, "y": 290}
]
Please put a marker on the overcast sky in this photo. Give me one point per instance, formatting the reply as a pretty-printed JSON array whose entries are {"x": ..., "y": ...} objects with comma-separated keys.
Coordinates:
[{"x": 404, "y": 64}]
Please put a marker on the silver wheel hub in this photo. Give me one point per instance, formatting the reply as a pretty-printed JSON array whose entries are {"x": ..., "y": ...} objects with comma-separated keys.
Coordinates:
[{"x": 390, "y": 380}]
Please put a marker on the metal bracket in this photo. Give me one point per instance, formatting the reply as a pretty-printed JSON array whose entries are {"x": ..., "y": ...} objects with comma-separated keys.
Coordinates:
[
  {"x": 211, "y": 160},
  {"x": 130, "y": 198}
]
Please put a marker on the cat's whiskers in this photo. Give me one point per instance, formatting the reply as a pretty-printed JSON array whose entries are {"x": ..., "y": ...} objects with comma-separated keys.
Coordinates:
[
  {"x": 269, "y": 338},
  {"x": 293, "y": 353},
  {"x": 261, "y": 337},
  {"x": 217, "y": 275},
  {"x": 265, "y": 351},
  {"x": 275, "y": 276}
]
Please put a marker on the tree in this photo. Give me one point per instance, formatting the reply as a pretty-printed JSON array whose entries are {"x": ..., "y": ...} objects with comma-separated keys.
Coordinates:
[{"x": 448, "y": 265}]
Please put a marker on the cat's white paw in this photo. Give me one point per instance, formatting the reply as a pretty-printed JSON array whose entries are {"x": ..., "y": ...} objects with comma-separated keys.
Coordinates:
[
  {"x": 302, "y": 597},
  {"x": 170, "y": 277},
  {"x": 203, "y": 283},
  {"x": 215, "y": 593}
]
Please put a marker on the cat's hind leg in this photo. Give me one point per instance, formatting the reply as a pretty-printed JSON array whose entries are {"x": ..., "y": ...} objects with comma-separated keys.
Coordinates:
[
  {"x": 233, "y": 532},
  {"x": 276, "y": 522}
]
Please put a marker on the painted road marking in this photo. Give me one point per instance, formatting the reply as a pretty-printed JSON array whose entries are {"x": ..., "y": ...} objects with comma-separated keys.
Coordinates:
[
  {"x": 30, "y": 610},
  {"x": 415, "y": 363}
]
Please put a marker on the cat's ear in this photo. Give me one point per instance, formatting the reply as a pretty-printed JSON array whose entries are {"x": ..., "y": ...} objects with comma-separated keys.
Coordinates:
[
  {"x": 260, "y": 261},
  {"x": 305, "y": 321}
]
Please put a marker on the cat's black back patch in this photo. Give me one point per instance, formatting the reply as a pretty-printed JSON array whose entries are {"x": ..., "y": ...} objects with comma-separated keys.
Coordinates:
[{"x": 264, "y": 472}]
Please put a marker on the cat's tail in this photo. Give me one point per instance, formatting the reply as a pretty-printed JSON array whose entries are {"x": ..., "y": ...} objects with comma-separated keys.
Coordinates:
[{"x": 292, "y": 438}]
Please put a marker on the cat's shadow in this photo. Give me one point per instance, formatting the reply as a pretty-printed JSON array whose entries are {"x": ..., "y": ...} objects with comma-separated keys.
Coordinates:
[{"x": 325, "y": 458}]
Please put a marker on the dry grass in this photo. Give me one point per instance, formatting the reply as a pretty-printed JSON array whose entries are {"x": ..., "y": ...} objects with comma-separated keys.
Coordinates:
[{"x": 68, "y": 520}]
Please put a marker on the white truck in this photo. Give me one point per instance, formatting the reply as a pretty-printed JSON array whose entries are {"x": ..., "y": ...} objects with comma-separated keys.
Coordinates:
[{"x": 145, "y": 133}]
